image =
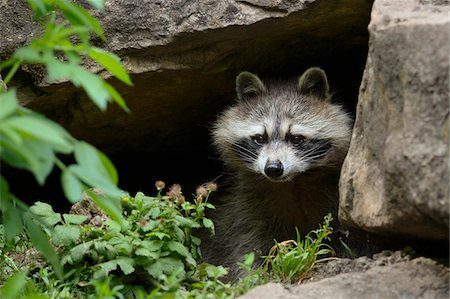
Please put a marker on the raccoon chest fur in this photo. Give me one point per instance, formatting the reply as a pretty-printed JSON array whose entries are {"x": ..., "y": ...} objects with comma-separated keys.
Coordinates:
[
  {"x": 285, "y": 143},
  {"x": 279, "y": 208}
]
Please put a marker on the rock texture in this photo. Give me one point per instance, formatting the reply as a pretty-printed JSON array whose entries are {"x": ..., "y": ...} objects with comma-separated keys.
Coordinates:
[
  {"x": 395, "y": 179},
  {"x": 385, "y": 276},
  {"x": 184, "y": 56}
]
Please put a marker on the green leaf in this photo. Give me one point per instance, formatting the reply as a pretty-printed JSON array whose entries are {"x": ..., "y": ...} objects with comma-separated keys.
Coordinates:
[
  {"x": 114, "y": 226},
  {"x": 116, "y": 96},
  {"x": 65, "y": 234},
  {"x": 147, "y": 253},
  {"x": 74, "y": 219},
  {"x": 178, "y": 247},
  {"x": 45, "y": 158},
  {"x": 122, "y": 245},
  {"x": 164, "y": 265},
  {"x": 110, "y": 206},
  {"x": 79, "y": 16},
  {"x": 40, "y": 8},
  {"x": 8, "y": 102},
  {"x": 28, "y": 55},
  {"x": 4, "y": 191},
  {"x": 152, "y": 245},
  {"x": 155, "y": 213},
  {"x": 12, "y": 213},
  {"x": 179, "y": 234},
  {"x": 78, "y": 252},
  {"x": 94, "y": 179},
  {"x": 108, "y": 167},
  {"x": 73, "y": 188},
  {"x": 182, "y": 250},
  {"x": 45, "y": 213},
  {"x": 32, "y": 155},
  {"x": 150, "y": 225},
  {"x": 126, "y": 264},
  {"x": 99, "y": 91},
  {"x": 208, "y": 223},
  {"x": 10, "y": 133},
  {"x": 111, "y": 62},
  {"x": 105, "y": 268},
  {"x": 14, "y": 285},
  {"x": 96, "y": 166},
  {"x": 105, "y": 249},
  {"x": 196, "y": 240},
  {"x": 96, "y": 3},
  {"x": 80, "y": 77},
  {"x": 41, "y": 129},
  {"x": 158, "y": 235},
  {"x": 186, "y": 222},
  {"x": 40, "y": 241}
]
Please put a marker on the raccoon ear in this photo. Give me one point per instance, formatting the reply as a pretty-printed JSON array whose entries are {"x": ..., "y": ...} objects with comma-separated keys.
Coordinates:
[
  {"x": 248, "y": 86},
  {"x": 313, "y": 82}
]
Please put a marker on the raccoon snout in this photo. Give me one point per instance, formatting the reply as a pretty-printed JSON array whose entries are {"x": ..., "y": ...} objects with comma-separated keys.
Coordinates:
[{"x": 274, "y": 169}]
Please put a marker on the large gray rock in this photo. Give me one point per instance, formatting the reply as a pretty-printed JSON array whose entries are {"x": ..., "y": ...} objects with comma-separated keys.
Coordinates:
[
  {"x": 395, "y": 179},
  {"x": 385, "y": 276},
  {"x": 184, "y": 56}
]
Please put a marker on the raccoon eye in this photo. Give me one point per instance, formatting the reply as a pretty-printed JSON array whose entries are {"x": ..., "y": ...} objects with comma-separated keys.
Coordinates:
[
  {"x": 295, "y": 139},
  {"x": 259, "y": 139}
]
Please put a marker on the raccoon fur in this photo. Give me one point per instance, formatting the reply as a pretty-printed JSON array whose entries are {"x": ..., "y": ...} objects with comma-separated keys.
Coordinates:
[{"x": 285, "y": 144}]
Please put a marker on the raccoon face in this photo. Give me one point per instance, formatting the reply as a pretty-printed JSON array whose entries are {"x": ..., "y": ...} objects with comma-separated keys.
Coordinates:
[
  {"x": 279, "y": 132},
  {"x": 280, "y": 157}
]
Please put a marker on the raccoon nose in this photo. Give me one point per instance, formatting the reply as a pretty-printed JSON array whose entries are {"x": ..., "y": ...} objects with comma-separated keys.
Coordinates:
[{"x": 273, "y": 169}]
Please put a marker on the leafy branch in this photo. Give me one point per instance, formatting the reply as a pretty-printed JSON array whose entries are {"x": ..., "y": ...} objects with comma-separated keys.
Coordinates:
[{"x": 32, "y": 142}]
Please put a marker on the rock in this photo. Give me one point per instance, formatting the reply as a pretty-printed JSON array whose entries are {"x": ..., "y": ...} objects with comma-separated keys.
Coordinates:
[
  {"x": 95, "y": 216},
  {"x": 268, "y": 291},
  {"x": 395, "y": 179},
  {"x": 184, "y": 56},
  {"x": 16, "y": 21},
  {"x": 387, "y": 275}
]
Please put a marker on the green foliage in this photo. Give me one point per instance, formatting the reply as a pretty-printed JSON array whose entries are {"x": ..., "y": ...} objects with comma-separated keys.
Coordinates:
[
  {"x": 157, "y": 256},
  {"x": 158, "y": 251},
  {"x": 32, "y": 142},
  {"x": 14, "y": 286},
  {"x": 291, "y": 260}
]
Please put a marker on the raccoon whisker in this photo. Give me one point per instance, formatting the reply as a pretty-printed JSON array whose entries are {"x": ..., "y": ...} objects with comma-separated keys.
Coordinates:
[
  {"x": 262, "y": 178},
  {"x": 314, "y": 150},
  {"x": 244, "y": 156},
  {"x": 312, "y": 158},
  {"x": 237, "y": 146},
  {"x": 244, "y": 153}
]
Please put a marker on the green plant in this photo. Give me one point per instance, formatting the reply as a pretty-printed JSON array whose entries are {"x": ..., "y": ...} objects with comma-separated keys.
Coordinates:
[
  {"x": 210, "y": 286},
  {"x": 157, "y": 250},
  {"x": 32, "y": 142},
  {"x": 291, "y": 260},
  {"x": 157, "y": 256}
]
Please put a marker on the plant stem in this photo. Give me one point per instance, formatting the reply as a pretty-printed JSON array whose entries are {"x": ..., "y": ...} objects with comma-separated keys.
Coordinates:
[
  {"x": 11, "y": 72},
  {"x": 60, "y": 164}
]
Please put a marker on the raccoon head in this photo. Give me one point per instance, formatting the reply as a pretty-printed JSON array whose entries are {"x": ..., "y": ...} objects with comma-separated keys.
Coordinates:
[{"x": 280, "y": 130}]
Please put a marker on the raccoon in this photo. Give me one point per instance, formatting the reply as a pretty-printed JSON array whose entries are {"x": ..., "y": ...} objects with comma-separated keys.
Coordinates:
[{"x": 285, "y": 143}]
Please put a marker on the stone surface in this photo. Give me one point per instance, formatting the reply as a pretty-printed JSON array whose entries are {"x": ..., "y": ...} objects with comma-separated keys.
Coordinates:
[
  {"x": 387, "y": 275},
  {"x": 184, "y": 56},
  {"x": 395, "y": 179}
]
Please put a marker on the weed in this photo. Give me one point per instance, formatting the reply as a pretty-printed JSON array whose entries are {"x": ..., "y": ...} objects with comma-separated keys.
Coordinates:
[
  {"x": 155, "y": 254},
  {"x": 291, "y": 260}
]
